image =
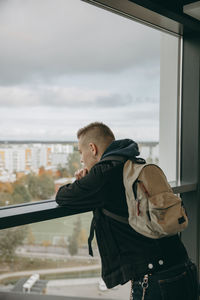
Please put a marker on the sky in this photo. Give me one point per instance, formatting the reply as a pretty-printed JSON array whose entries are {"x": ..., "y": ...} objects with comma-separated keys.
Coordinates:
[{"x": 66, "y": 63}]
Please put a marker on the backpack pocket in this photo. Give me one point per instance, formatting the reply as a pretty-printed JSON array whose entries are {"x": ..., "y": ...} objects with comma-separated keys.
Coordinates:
[{"x": 167, "y": 214}]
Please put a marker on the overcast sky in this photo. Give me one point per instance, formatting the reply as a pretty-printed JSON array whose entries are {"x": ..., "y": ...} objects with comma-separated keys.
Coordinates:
[{"x": 65, "y": 63}]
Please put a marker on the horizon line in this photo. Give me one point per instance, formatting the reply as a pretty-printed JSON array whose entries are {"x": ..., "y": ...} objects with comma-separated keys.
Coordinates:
[{"x": 56, "y": 142}]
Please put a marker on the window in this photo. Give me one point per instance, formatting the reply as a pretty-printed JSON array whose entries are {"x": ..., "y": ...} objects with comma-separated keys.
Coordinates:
[
  {"x": 75, "y": 65},
  {"x": 169, "y": 139}
]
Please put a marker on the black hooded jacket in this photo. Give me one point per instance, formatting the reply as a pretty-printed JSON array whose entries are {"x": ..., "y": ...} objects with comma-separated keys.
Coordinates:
[{"x": 125, "y": 254}]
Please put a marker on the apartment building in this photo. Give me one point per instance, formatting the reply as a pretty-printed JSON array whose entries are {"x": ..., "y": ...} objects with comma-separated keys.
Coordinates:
[{"x": 16, "y": 158}]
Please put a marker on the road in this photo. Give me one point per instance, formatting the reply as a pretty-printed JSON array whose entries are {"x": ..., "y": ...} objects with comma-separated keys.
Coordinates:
[
  {"x": 49, "y": 271},
  {"x": 54, "y": 256}
]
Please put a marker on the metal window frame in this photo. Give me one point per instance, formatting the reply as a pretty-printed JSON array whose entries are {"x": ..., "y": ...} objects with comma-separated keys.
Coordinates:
[
  {"x": 190, "y": 140},
  {"x": 27, "y": 213},
  {"x": 152, "y": 13}
]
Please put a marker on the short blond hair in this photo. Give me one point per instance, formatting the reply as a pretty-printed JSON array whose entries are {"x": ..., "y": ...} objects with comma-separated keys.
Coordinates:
[{"x": 97, "y": 132}]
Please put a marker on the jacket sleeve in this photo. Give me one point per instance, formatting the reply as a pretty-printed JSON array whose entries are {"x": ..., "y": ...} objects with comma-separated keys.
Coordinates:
[{"x": 86, "y": 193}]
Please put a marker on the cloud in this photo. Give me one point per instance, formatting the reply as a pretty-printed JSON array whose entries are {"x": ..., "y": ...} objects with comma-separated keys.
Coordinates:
[
  {"x": 76, "y": 97},
  {"x": 53, "y": 123},
  {"x": 66, "y": 63},
  {"x": 46, "y": 39}
]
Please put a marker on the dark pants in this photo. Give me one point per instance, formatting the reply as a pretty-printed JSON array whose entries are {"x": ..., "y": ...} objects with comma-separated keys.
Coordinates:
[{"x": 176, "y": 283}]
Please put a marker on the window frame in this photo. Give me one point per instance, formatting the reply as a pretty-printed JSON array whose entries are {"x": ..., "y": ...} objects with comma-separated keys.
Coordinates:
[
  {"x": 158, "y": 16},
  {"x": 28, "y": 213}
]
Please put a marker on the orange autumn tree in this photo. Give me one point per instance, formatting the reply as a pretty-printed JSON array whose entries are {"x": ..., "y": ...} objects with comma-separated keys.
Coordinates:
[{"x": 6, "y": 190}]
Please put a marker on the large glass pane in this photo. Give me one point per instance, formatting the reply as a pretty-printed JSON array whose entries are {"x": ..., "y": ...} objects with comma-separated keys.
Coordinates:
[
  {"x": 65, "y": 64},
  {"x": 76, "y": 64}
]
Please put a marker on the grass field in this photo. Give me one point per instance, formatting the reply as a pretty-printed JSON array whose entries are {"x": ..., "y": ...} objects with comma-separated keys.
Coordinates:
[{"x": 58, "y": 228}]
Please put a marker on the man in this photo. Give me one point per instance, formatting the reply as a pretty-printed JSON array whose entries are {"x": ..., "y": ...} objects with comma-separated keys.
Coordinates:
[{"x": 159, "y": 268}]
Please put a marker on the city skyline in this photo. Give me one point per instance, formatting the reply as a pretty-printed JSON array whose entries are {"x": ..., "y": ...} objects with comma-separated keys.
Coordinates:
[
  {"x": 18, "y": 159},
  {"x": 25, "y": 158}
]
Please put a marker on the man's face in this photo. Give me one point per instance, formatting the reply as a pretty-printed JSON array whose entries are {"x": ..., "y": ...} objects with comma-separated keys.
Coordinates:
[{"x": 87, "y": 157}]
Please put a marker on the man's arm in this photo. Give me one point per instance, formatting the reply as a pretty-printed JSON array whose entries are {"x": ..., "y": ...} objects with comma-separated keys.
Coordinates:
[{"x": 87, "y": 192}]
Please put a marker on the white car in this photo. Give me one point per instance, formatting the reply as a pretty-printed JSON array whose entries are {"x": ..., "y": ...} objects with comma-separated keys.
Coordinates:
[{"x": 102, "y": 285}]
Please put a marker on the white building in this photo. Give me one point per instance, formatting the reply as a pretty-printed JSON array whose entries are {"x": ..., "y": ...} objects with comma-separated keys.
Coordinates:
[
  {"x": 30, "y": 157},
  {"x": 14, "y": 159}
]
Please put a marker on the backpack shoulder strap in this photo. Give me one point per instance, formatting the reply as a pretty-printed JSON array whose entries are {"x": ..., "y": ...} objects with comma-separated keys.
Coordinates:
[
  {"x": 114, "y": 216},
  {"x": 137, "y": 160},
  {"x": 127, "y": 176},
  {"x": 131, "y": 172}
]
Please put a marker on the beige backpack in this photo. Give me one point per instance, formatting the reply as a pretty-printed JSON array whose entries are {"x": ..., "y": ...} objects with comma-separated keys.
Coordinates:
[{"x": 154, "y": 210}]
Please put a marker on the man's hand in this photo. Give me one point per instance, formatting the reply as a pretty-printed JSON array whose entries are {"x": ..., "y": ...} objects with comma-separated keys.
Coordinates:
[{"x": 81, "y": 173}]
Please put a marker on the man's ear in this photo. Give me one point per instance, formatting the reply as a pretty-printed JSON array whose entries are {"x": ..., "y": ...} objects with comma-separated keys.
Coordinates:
[{"x": 93, "y": 148}]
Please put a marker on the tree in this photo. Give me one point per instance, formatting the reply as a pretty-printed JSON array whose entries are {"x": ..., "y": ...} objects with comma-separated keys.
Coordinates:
[
  {"x": 73, "y": 245},
  {"x": 62, "y": 242},
  {"x": 5, "y": 199},
  {"x": 10, "y": 239},
  {"x": 40, "y": 187},
  {"x": 6, "y": 187},
  {"x": 6, "y": 190},
  {"x": 30, "y": 237},
  {"x": 82, "y": 237},
  {"x": 46, "y": 187},
  {"x": 62, "y": 172},
  {"x": 73, "y": 239},
  {"x": 73, "y": 162},
  {"x": 46, "y": 243},
  {"x": 32, "y": 183},
  {"x": 41, "y": 171},
  {"x": 20, "y": 194}
]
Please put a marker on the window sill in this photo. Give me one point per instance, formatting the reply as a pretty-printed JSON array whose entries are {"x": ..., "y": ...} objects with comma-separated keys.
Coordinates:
[{"x": 27, "y": 213}]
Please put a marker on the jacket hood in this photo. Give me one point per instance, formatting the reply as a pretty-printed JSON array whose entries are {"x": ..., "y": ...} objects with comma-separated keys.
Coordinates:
[{"x": 126, "y": 148}]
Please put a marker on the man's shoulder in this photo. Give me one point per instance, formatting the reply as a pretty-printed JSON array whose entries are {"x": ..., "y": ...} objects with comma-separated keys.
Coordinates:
[{"x": 106, "y": 165}]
